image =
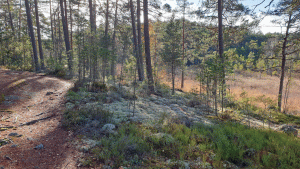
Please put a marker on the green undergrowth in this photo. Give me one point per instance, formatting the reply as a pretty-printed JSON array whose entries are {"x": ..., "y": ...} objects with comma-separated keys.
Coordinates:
[
  {"x": 248, "y": 106},
  {"x": 138, "y": 146},
  {"x": 170, "y": 145},
  {"x": 58, "y": 71},
  {"x": 2, "y": 98},
  {"x": 77, "y": 118}
]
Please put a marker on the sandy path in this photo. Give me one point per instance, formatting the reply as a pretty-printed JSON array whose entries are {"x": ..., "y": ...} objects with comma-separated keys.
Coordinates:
[{"x": 33, "y": 106}]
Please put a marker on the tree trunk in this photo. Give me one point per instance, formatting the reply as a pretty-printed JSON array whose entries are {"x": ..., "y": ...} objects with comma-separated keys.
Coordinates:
[
  {"x": 92, "y": 66},
  {"x": 31, "y": 34},
  {"x": 39, "y": 35},
  {"x": 20, "y": 18},
  {"x": 183, "y": 66},
  {"x": 112, "y": 70},
  {"x": 66, "y": 13},
  {"x": 71, "y": 23},
  {"x": 92, "y": 20},
  {"x": 147, "y": 48},
  {"x": 54, "y": 38},
  {"x": 104, "y": 60},
  {"x": 51, "y": 23},
  {"x": 66, "y": 35},
  {"x": 173, "y": 78},
  {"x": 134, "y": 38},
  {"x": 106, "y": 19},
  {"x": 221, "y": 46},
  {"x": 140, "y": 57},
  {"x": 10, "y": 17},
  {"x": 59, "y": 41},
  {"x": 283, "y": 60}
]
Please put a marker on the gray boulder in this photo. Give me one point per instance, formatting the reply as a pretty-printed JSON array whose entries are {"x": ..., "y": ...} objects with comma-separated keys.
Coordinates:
[
  {"x": 108, "y": 128},
  {"x": 289, "y": 130}
]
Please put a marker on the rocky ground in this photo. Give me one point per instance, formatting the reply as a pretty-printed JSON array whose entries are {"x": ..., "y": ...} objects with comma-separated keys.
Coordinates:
[{"x": 149, "y": 110}]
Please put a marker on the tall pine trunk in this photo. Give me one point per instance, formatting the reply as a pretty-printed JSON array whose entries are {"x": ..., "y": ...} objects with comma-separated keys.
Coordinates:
[
  {"x": 183, "y": 66},
  {"x": 283, "y": 60},
  {"x": 140, "y": 57},
  {"x": 104, "y": 60},
  {"x": 10, "y": 17},
  {"x": 112, "y": 70},
  {"x": 138, "y": 66},
  {"x": 66, "y": 37},
  {"x": 221, "y": 46},
  {"x": 31, "y": 34},
  {"x": 147, "y": 48},
  {"x": 39, "y": 34}
]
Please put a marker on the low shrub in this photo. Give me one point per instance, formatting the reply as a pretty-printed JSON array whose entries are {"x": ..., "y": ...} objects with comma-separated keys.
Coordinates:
[
  {"x": 73, "y": 96},
  {"x": 76, "y": 118},
  {"x": 127, "y": 147},
  {"x": 162, "y": 90},
  {"x": 99, "y": 87},
  {"x": 129, "y": 96},
  {"x": 58, "y": 71}
]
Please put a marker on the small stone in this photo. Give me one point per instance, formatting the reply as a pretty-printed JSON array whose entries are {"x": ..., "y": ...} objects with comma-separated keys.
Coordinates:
[
  {"x": 30, "y": 139},
  {"x": 39, "y": 147},
  {"x": 13, "y": 146},
  {"x": 13, "y": 134},
  {"x": 7, "y": 157},
  {"x": 49, "y": 93}
]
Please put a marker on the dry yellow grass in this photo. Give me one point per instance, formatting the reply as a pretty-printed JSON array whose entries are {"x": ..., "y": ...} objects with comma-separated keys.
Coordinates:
[
  {"x": 252, "y": 83},
  {"x": 266, "y": 85}
]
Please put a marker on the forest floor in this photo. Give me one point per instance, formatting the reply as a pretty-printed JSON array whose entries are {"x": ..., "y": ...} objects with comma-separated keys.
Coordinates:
[
  {"x": 31, "y": 135},
  {"x": 34, "y": 114}
]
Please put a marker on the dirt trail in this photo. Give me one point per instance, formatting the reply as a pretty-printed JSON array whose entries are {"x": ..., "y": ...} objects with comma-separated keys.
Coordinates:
[{"x": 31, "y": 113}]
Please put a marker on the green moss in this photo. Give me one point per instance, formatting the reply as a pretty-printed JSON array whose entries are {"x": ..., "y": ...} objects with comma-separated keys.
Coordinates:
[{"x": 2, "y": 98}]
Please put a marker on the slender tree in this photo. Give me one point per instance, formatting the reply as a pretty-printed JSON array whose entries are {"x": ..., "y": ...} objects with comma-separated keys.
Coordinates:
[
  {"x": 220, "y": 39},
  {"x": 92, "y": 19},
  {"x": 66, "y": 37},
  {"x": 140, "y": 57},
  {"x": 135, "y": 39},
  {"x": 10, "y": 17},
  {"x": 114, "y": 42},
  {"x": 31, "y": 34},
  {"x": 39, "y": 35},
  {"x": 147, "y": 48},
  {"x": 171, "y": 51}
]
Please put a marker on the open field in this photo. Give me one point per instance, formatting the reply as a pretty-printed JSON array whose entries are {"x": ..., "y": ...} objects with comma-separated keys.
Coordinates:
[{"x": 252, "y": 83}]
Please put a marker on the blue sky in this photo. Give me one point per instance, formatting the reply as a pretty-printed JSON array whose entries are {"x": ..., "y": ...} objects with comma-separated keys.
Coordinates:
[{"x": 265, "y": 26}]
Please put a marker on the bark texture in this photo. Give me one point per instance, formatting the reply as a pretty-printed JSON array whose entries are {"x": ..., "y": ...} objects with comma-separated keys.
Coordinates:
[
  {"x": 31, "y": 34},
  {"x": 147, "y": 48}
]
